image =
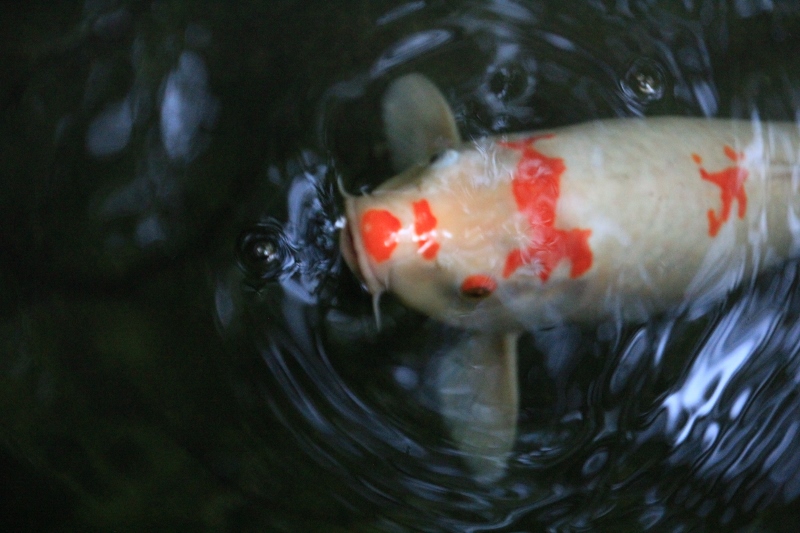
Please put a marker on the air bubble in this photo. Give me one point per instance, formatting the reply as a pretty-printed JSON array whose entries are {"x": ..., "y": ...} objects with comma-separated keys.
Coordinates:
[
  {"x": 644, "y": 81},
  {"x": 508, "y": 83},
  {"x": 265, "y": 253}
]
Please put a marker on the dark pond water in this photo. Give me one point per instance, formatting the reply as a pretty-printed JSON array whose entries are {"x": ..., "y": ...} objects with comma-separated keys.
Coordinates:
[{"x": 184, "y": 350}]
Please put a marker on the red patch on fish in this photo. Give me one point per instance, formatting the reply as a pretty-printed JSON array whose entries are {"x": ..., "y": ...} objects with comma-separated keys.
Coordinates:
[
  {"x": 478, "y": 285},
  {"x": 379, "y": 232},
  {"x": 536, "y": 187},
  {"x": 731, "y": 183},
  {"x": 424, "y": 226}
]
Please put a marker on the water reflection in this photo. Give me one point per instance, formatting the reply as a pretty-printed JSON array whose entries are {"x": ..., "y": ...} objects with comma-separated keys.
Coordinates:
[
  {"x": 187, "y": 108},
  {"x": 730, "y": 413},
  {"x": 409, "y": 48},
  {"x": 719, "y": 360},
  {"x": 110, "y": 131}
]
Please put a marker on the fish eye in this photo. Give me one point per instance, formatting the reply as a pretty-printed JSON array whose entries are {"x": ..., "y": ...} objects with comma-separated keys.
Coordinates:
[
  {"x": 444, "y": 158},
  {"x": 478, "y": 286}
]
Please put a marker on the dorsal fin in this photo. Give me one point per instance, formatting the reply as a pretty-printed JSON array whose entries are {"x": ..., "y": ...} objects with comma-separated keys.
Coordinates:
[
  {"x": 479, "y": 400},
  {"x": 418, "y": 121}
]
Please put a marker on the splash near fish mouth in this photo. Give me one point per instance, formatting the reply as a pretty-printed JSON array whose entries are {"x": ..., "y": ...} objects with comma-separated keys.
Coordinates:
[{"x": 351, "y": 246}]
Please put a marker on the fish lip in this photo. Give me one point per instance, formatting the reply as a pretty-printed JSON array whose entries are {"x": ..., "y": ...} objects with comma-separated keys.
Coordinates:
[{"x": 350, "y": 245}]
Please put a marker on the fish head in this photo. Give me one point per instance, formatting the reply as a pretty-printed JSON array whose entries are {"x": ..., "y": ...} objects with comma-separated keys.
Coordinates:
[{"x": 437, "y": 236}]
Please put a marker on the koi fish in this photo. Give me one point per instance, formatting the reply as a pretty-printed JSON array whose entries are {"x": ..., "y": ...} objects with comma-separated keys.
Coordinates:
[{"x": 608, "y": 220}]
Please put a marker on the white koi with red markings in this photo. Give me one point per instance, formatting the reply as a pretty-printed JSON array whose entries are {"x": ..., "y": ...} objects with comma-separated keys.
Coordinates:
[{"x": 613, "y": 219}]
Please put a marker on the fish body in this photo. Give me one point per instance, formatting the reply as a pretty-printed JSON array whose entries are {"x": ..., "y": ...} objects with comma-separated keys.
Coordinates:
[{"x": 611, "y": 219}]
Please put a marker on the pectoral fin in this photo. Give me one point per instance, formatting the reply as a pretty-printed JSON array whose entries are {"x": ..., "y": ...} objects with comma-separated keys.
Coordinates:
[
  {"x": 479, "y": 399},
  {"x": 418, "y": 121}
]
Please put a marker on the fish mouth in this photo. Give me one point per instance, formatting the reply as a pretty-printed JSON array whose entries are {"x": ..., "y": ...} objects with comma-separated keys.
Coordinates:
[
  {"x": 348, "y": 249},
  {"x": 350, "y": 245}
]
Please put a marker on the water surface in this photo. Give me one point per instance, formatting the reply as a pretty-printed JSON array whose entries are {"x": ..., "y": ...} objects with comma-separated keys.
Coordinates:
[{"x": 185, "y": 350}]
